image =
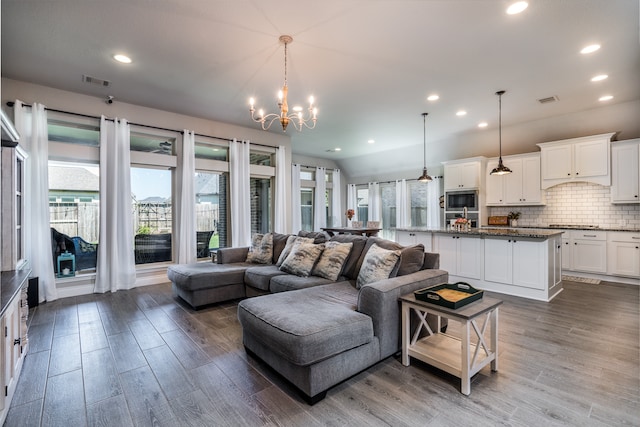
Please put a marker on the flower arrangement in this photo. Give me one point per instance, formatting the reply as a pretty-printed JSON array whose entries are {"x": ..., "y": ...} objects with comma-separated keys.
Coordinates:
[{"x": 350, "y": 214}]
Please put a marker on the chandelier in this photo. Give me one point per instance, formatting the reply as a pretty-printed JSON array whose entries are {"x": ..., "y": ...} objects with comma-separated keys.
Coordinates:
[{"x": 298, "y": 118}]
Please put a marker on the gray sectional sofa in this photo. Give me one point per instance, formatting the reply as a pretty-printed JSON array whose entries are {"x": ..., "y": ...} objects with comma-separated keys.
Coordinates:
[{"x": 319, "y": 332}]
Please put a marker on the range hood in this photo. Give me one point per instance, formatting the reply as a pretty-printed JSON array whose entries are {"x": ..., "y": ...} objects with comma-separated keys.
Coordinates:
[{"x": 10, "y": 135}]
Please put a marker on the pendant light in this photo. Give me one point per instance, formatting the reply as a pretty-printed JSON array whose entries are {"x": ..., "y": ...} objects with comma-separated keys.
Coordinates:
[
  {"x": 500, "y": 169},
  {"x": 425, "y": 176}
]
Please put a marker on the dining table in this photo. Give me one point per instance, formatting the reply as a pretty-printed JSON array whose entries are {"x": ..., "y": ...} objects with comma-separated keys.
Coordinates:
[{"x": 362, "y": 231}]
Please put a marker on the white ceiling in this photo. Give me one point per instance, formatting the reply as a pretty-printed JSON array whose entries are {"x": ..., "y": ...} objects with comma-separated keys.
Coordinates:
[{"x": 370, "y": 64}]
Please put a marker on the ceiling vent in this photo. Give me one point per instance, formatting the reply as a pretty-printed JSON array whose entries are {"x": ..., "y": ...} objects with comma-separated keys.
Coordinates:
[
  {"x": 548, "y": 99},
  {"x": 94, "y": 81}
]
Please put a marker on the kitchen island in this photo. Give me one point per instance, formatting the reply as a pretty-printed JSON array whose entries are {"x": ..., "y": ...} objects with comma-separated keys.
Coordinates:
[{"x": 522, "y": 262}]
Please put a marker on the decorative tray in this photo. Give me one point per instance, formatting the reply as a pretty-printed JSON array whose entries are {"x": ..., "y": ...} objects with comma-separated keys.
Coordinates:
[{"x": 450, "y": 295}]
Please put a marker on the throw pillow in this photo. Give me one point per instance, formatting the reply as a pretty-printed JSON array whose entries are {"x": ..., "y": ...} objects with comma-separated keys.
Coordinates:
[
  {"x": 332, "y": 260},
  {"x": 261, "y": 250},
  {"x": 377, "y": 265},
  {"x": 302, "y": 258},
  {"x": 411, "y": 259},
  {"x": 317, "y": 236},
  {"x": 291, "y": 240}
]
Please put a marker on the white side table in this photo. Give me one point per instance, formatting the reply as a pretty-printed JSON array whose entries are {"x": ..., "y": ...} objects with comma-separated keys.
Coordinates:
[{"x": 462, "y": 357}]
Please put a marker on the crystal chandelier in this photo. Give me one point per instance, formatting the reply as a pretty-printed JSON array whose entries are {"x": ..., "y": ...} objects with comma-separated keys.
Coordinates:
[{"x": 298, "y": 118}]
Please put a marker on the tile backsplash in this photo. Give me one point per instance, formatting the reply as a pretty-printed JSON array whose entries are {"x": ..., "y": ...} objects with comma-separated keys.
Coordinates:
[{"x": 576, "y": 203}]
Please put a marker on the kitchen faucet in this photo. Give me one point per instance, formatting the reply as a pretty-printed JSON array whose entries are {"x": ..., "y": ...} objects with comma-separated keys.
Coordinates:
[{"x": 464, "y": 212}]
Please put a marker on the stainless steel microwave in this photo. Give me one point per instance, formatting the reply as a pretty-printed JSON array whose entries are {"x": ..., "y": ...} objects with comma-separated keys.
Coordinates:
[{"x": 458, "y": 200}]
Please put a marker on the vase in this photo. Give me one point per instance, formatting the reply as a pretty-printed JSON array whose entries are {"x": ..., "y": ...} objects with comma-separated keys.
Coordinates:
[{"x": 513, "y": 222}]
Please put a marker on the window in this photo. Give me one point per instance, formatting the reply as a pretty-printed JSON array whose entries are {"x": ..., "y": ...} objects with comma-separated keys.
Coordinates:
[
  {"x": 362, "y": 194},
  {"x": 388, "y": 203},
  {"x": 418, "y": 196},
  {"x": 211, "y": 212},
  {"x": 147, "y": 143},
  {"x": 74, "y": 211},
  {"x": 306, "y": 205},
  {"x": 260, "y": 205}
]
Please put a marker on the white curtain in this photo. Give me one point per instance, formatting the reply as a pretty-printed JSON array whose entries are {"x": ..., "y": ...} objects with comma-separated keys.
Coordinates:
[
  {"x": 239, "y": 175},
  {"x": 375, "y": 202},
  {"x": 336, "y": 199},
  {"x": 352, "y": 200},
  {"x": 320, "y": 200},
  {"x": 280, "y": 208},
  {"x": 186, "y": 207},
  {"x": 403, "y": 219},
  {"x": 32, "y": 127},
  {"x": 296, "y": 204},
  {"x": 433, "y": 203},
  {"x": 116, "y": 265}
]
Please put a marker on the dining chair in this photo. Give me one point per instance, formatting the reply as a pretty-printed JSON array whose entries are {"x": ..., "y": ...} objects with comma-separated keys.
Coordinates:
[
  {"x": 373, "y": 224},
  {"x": 356, "y": 224}
]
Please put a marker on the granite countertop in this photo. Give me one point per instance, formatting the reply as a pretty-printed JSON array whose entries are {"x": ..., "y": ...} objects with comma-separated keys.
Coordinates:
[{"x": 492, "y": 232}]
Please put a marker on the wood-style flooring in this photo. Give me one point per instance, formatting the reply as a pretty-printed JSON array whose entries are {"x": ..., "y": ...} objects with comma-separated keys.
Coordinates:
[{"x": 143, "y": 358}]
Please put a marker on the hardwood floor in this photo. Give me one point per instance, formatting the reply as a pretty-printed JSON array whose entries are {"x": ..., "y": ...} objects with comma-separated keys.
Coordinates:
[{"x": 140, "y": 357}]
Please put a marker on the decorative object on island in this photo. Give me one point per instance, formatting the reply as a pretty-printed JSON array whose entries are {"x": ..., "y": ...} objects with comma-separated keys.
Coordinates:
[
  {"x": 462, "y": 224},
  {"x": 500, "y": 169},
  {"x": 298, "y": 118},
  {"x": 513, "y": 218},
  {"x": 425, "y": 176}
]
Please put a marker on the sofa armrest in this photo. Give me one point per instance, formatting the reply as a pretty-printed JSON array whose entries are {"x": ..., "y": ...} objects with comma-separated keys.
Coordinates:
[
  {"x": 379, "y": 300},
  {"x": 231, "y": 255}
]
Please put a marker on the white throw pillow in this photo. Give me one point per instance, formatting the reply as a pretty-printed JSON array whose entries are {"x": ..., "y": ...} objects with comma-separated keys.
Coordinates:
[
  {"x": 261, "y": 250},
  {"x": 302, "y": 258},
  {"x": 377, "y": 265},
  {"x": 332, "y": 260}
]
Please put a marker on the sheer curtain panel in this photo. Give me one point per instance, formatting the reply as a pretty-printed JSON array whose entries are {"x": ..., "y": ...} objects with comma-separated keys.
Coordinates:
[
  {"x": 433, "y": 203},
  {"x": 352, "y": 200},
  {"x": 239, "y": 175},
  {"x": 296, "y": 204},
  {"x": 320, "y": 200},
  {"x": 402, "y": 204},
  {"x": 280, "y": 208},
  {"x": 32, "y": 127},
  {"x": 115, "y": 268},
  {"x": 186, "y": 208},
  {"x": 336, "y": 199},
  {"x": 375, "y": 202}
]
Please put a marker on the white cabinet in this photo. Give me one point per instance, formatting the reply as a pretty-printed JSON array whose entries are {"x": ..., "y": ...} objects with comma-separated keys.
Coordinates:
[
  {"x": 623, "y": 254},
  {"x": 463, "y": 175},
  {"x": 409, "y": 238},
  {"x": 589, "y": 251},
  {"x": 515, "y": 262},
  {"x": 459, "y": 255},
  {"x": 520, "y": 187},
  {"x": 577, "y": 159},
  {"x": 625, "y": 175}
]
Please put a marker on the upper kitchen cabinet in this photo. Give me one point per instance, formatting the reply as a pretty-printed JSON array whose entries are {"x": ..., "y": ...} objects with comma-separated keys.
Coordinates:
[
  {"x": 578, "y": 159},
  {"x": 625, "y": 178},
  {"x": 520, "y": 187},
  {"x": 463, "y": 174}
]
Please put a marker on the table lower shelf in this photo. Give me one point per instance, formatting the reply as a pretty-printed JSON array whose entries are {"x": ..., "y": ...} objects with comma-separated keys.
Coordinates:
[{"x": 445, "y": 353}]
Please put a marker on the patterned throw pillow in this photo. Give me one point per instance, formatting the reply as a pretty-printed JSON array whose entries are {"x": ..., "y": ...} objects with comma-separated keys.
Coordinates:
[
  {"x": 377, "y": 265},
  {"x": 302, "y": 258},
  {"x": 332, "y": 260},
  {"x": 261, "y": 249},
  {"x": 291, "y": 240}
]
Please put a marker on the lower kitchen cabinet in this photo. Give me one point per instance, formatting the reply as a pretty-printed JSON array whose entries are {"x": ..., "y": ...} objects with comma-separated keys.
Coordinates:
[
  {"x": 623, "y": 254},
  {"x": 408, "y": 238},
  {"x": 515, "y": 262},
  {"x": 589, "y": 251},
  {"x": 459, "y": 255}
]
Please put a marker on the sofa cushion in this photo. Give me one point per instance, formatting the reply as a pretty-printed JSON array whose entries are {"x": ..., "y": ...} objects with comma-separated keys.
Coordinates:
[
  {"x": 290, "y": 282},
  {"x": 258, "y": 277},
  {"x": 308, "y": 325},
  {"x": 332, "y": 260},
  {"x": 279, "y": 242},
  {"x": 205, "y": 275},
  {"x": 411, "y": 259},
  {"x": 291, "y": 240},
  {"x": 377, "y": 265},
  {"x": 302, "y": 258},
  {"x": 350, "y": 270},
  {"x": 261, "y": 251},
  {"x": 317, "y": 236}
]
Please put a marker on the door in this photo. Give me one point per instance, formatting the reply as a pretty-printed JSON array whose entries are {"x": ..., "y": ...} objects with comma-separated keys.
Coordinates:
[
  {"x": 513, "y": 183},
  {"x": 498, "y": 261},
  {"x": 469, "y": 261},
  {"x": 556, "y": 162},
  {"x": 448, "y": 253},
  {"x": 531, "y": 192},
  {"x": 528, "y": 263},
  {"x": 589, "y": 256},
  {"x": 624, "y": 259},
  {"x": 624, "y": 173},
  {"x": 495, "y": 185},
  {"x": 591, "y": 158}
]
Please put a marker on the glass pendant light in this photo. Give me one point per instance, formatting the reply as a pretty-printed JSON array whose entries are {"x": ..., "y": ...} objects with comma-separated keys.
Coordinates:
[
  {"x": 425, "y": 176},
  {"x": 500, "y": 169}
]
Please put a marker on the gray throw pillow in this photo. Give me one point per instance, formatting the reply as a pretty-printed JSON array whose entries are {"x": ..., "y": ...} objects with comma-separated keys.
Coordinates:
[
  {"x": 261, "y": 251},
  {"x": 377, "y": 265},
  {"x": 332, "y": 260},
  {"x": 291, "y": 240},
  {"x": 302, "y": 258}
]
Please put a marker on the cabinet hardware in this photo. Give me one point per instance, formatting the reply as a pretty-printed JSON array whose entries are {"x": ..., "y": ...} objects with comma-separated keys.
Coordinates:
[
  {"x": 633, "y": 237},
  {"x": 6, "y": 332},
  {"x": 16, "y": 341},
  {"x": 6, "y": 390},
  {"x": 577, "y": 174},
  {"x": 589, "y": 235}
]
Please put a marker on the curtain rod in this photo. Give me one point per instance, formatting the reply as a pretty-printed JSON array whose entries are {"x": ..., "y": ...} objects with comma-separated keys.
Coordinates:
[
  {"x": 315, "y": 167},
  {"x": 390, "y": 182},
  {"x": 11, "y": 104}
]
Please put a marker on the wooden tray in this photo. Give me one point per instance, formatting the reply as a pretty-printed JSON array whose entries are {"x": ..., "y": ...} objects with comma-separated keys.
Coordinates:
[{"x": 431, "y": 296}]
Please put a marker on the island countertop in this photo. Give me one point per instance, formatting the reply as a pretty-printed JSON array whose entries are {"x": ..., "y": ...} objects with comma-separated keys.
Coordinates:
[{"x": 529, "y": 233}]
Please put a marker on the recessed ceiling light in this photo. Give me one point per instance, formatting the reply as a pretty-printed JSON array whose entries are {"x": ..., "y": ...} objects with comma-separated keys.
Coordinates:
[
  {"x": 599, "y": 77},
  {"x": 122, "y": 58},
  {"x": 483, "y": 124},
  {"x": 605, "y": 98},
  {"x": 517, "y": 7},
  {"x": 433, "y": 97},
  {"x": 461, "y": 113},
  {"x": 338, "y": 149},
  {"x": 371, "y": 141},
  {"x": 590, "y": 49}
]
